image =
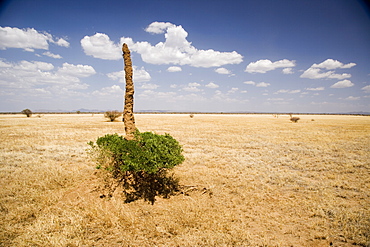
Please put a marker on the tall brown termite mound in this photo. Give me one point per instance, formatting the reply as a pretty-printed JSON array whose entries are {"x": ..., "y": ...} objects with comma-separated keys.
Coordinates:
[{"x": 128, "y": 111}]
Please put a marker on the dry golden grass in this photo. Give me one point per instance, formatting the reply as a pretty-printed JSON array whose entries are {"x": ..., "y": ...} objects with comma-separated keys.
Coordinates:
[{"x": 268, "y": 182}]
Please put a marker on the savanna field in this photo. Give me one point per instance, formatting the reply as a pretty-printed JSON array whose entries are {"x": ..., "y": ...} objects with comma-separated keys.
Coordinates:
[{"x": 249, "y": 180}]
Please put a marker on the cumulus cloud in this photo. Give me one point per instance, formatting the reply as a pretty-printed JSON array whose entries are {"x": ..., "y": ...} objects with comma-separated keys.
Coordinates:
[
  {"x": 62, "y": 42},
  {"x": 331, "y": 64},
  {"x": 174, "y": 69},
  {"x": 315, "y": 88},
  {"x": 264, "y": 65},
  {"x": 176, "y": 49},
  {"x": 100, "y": 46},
  {"x": 352, "y": 98},
  {"x": 249, "y": 82},
  {"x": 158, "y": 27},
  {"x": 192, "y": 87},
  {"x": 262, "y": 84},
  {"x": 288, "y": 91},
  {"x": 78, "y": 70},
  {"x": 342, "y": 84},
  {"x": 49, "y": 54},
  {"x": 316, "y": 70},
  {"x": 316, "y": 73},
  {"x": 223, "y": 71},
  {"x": 108, "y": 91},
  {"x": 28, "y": 39},
  {"x": 26, "y": 74},
  {"x": 275, "y": 99},
  {"x": 139, "y": 75},
  {"x": 366, "y": 89},
  {"x": 212, "y": 85},
  {"x": 149, "y": 86},
  {"x": 152, "y": 95},
  {"x": 233, "y": 90},
  {"x": 288, "y": 71},
  {"x": 259, "y": 84}
]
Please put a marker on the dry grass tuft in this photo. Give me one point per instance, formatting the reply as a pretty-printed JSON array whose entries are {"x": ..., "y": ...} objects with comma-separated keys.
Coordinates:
[{"x": 264, "y": 182}]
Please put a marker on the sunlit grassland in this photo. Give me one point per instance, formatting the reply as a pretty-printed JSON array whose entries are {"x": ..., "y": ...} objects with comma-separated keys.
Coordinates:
[{"x": 254, "y": 180}]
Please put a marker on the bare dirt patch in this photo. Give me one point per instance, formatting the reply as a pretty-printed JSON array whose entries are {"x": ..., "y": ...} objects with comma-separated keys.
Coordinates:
[{"x": 263, "y": 182}]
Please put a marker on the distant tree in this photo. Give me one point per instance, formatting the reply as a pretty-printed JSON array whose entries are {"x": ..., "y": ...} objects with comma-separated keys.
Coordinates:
[
  {"x": 78, "y": 112},
  {"x": 27, "y": 112},
  {"x": 112, "y": 115}
]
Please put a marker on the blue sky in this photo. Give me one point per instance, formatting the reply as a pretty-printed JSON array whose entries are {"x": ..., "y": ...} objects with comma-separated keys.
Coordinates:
[{"x": 191, "y": 55}]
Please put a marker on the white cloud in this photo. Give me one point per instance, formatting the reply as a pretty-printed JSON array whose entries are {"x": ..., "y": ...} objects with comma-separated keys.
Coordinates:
[
  {"x": 175, "y": 50},
  {"x": 49, "y": 54},
  {"x": 225, "y": 98},
  {"x": 62, "y": 42},
  {"x": 78, "y": 70},
  {"x": 193, "y": 84},
  {"x": 153, "y": 95},
  {"x": 233, "y": 90},
  {"x": 281, "y": 91},
  {"x": 259, "y": 84},
  {"x": 100, "y": 46},
  {"x": 288, "y": 91},
  {"x": 32, "y": 66},
  {"x": 315, "y": 71},
  {"x": 212, "y": 85},
  {"x": 158, "y": 27},
  {"x": 223, "y": 71},
  {"x": 108, "y": 91},
  {"x": 139, "y": 75},
  {"x": 352, "y": 98},
  {"x": 149, "y": 86},
  {"x": 264, "y": 65},
  {"x": 275, "y": 99},
  {"x": 192, "y": 87},
  {"x": 288, "y": 71},
  {"x": 26, "y": 75},
  {"x": 331, "y": 64},
  {"x": 27, "y": 39},
  {"x": 117, "y": 76},
  {"x": 366, "y": 89},
  {"x": 342, "y": 84},
  {"x": 262, "y": 84},
  {"x": 174, "y": 69},
  {"x": 249, "y": 82},
  {"x": 315, "y": 89}
]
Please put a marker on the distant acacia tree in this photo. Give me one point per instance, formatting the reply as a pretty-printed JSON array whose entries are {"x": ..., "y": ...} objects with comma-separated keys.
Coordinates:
[
  {"x": 112, "y": 115},
  {"x": 27, "y": 112}
]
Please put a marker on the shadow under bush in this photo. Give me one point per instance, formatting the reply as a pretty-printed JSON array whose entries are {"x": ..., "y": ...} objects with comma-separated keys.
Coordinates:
[{"x": 140, "y": 165}]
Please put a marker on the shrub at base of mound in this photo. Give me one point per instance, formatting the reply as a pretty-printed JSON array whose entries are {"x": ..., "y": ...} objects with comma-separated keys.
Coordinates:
[{"x": 140, "y": 165}]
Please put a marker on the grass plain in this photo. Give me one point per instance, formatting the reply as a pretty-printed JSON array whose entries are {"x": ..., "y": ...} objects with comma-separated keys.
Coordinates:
[{"x": 254, "y": 180}]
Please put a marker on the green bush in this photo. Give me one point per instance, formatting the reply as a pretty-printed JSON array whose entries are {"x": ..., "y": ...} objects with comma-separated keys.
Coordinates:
[{"x": 141, "y": 164}]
